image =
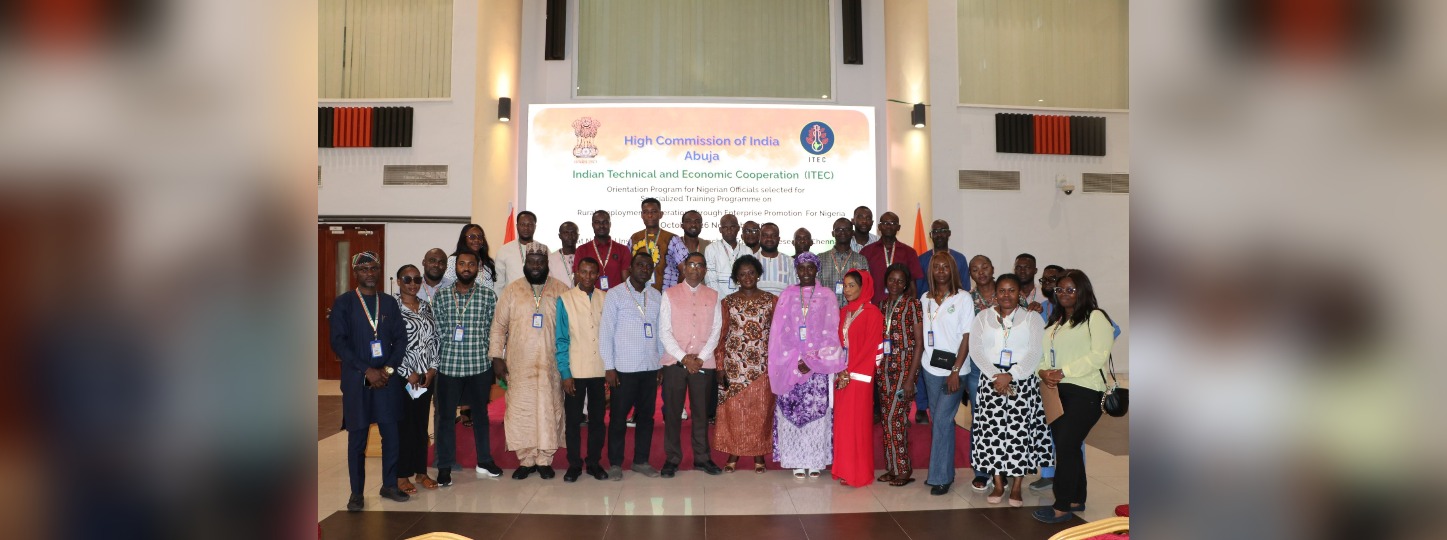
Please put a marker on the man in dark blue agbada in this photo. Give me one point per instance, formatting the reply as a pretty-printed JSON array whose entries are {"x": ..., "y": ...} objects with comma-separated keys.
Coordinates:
[{"x": 370, "y": 337}]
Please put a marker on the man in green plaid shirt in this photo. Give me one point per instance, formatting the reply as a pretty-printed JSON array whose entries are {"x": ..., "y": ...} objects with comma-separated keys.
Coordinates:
[{"x": 464, "y": 320}]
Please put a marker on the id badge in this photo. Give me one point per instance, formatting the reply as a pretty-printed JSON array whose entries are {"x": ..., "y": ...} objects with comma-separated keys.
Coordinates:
[
  {"x": 1005, "y": 361},
  {"x": 732, "y": 284},
  {"x": 603, "y": 282},
  {"x": 803, "y": 332},
  {"x": 648, "y": 330},
  {"x": 537, "y": 320},
  {"x": 376, "y": 348},
  {"x": 839, "y": 287},
  {"x": 888, "y": 346},
  {"x": 929, "y": 338},
  {"x": 457, "y": 333}
]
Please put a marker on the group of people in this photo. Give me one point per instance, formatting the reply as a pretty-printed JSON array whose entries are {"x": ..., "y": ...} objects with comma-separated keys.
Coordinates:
[{"x": 789, "y": 358}]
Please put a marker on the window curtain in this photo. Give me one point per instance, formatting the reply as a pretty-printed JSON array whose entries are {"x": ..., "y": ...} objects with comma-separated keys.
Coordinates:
[{"x": 1044, "y": 53}]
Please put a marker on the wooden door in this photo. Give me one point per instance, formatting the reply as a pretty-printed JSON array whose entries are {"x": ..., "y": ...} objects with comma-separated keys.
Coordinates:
[{"x": 336, "y": 244}]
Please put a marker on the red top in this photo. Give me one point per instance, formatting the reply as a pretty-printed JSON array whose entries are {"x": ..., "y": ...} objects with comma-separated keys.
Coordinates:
[{"x": 616, "y": 265}]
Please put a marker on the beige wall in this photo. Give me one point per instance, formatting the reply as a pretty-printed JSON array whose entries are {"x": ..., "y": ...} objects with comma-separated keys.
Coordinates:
[
  {"x": 906, "y": 59},
  {"x": 495, "y": 161}
]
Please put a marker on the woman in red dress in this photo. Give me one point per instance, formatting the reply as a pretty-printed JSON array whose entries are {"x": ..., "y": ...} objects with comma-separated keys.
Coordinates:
[{"x": 861, "y": 331}]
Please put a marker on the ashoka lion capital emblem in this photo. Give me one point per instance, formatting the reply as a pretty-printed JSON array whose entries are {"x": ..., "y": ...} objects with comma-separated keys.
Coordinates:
[{"x": 586, "y": 128}]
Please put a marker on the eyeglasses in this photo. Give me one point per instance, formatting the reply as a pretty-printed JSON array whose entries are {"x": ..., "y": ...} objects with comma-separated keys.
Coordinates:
[
  {"x": 751, "y": 231},
  {"x": 408, "y": 280},
  {"x": 1065, "y": 290},
  {"x": 474, "y": 237},
  {"x": 1049, "y": 279},
  {"x": 890, "y": 223},
  {"x": 693, "y": 264},
  {"x": 939, "y": 230}
]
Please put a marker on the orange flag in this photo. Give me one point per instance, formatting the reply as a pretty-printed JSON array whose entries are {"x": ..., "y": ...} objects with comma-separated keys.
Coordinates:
[
  {"x": 920, "y": 246},
  {"x": 510, "y": 232}
]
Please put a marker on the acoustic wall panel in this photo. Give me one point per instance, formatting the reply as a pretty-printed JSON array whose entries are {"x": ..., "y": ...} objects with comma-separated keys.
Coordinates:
[
  {"x": 364, "y": 127},
  {"x": 1017, "y": 133}
]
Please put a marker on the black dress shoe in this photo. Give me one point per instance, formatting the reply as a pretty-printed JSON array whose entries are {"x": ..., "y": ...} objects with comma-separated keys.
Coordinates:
[
  {"x": 668, "y": 470},
  {"x": 391, "y": 492},
  {"x": 709, "y": 467},
  {"x": 940, "y": 489},
  {"x": 522, "y": 472},
  {"x": 596, "y": 471},
  {"x": 572, "y": 474},
  {"x": 354, "y": 504},
  {"x": 546, "y": 472},
  {"x": 444, "y": 477},
  {"x": 921, "y": 417}
]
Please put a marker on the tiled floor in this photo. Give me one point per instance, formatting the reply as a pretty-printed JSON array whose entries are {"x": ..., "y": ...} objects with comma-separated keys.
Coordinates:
[{"x": 694, "y": 505}]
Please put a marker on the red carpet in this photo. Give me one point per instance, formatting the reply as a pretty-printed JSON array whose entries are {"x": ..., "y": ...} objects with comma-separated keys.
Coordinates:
[{"x": 919, "y": 444}]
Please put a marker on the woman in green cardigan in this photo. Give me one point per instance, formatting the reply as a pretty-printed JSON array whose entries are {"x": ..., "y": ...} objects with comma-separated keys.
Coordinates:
[{"x": 1078, "y": 340}]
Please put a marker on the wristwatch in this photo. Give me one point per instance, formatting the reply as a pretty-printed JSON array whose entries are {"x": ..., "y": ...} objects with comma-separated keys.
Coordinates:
[
  {"x": 389, "y": 370},
  {"x": 955, "y": 369}
]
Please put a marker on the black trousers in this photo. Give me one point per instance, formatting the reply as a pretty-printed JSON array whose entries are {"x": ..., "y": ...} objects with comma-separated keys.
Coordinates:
[
  {"x": 357, "y": 461},
  {"x": 590, "y": 390},
  {"x": 1082, "y": 411},
  {"x": 677, "y": 383},
  {"x": 637, "y": 392},
  {"x": 473, "y": 390},
  {"x": 412, "y": 432}
]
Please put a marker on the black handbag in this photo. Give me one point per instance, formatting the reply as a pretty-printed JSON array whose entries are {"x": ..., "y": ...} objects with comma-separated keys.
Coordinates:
[
  {"x": 1116, "y": 400},
  {"x": 943, "y": 360}
]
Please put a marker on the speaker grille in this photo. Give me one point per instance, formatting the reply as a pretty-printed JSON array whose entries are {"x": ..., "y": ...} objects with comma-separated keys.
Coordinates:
[
  {"x": 1105, "y": 183},
  {"x": 990, "y": 180},
  {"x": 414, "y": 175}
]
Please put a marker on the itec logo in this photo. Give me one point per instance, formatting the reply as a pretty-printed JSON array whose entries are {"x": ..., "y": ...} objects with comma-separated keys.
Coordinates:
[{"x": 817, "y": 138}]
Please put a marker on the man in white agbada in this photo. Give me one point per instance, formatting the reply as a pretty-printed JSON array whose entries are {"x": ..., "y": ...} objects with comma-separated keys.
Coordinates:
[{"x": 522, "y": 331}]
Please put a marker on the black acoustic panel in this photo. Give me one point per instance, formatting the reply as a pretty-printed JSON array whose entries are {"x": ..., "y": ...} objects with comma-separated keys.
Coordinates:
[
  {"x": 326, "y": 116},
  {"x": 1015, "y": 133},
  {"x": 1087, "y": 135},
  {"x": 555, "y": 30},
  {"x": 404, "y": 128},
  {"x": 852, "y": 17}
]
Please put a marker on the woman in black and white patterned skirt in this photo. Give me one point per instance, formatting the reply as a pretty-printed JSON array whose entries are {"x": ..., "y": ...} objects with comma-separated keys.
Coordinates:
[{"x": 1009, "y": 432}]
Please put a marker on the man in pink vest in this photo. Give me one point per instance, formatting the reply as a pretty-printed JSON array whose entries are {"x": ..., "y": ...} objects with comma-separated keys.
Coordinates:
[{"x": 689, "y": 321}]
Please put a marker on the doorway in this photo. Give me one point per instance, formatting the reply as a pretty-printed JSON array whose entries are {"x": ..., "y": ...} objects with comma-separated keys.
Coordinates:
[{"x": 336, "y": 244}]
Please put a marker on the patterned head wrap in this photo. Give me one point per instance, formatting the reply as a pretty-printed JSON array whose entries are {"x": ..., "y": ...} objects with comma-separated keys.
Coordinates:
[
  {"x": 806, "y": 257},
  {"x": 536, "y": 248}
]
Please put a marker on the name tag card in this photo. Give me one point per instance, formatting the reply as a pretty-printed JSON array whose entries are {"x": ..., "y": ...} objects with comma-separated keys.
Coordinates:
[
  {"x": 648, "y": 330},
  {"x": 457, "y": 333},
  {"x": 929, "y": 338},
  {"x": 603, "y": 282},
  {"x": 838, "y": 287},
  {"x": 376, "y": 348},
  {"x": 803, "y": 332},
  {"x": 537, "y": 320},
  {"x": 888, "y": 346},
  {"x": 1005, "y": 359}
]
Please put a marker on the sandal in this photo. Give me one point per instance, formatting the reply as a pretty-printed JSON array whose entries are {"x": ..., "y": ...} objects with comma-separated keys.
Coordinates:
[
  {"x": 732, "y": 464},
  {"x": 814, "y": 473},
  {"x": 886, "y": 477},
  {"x": 406, "y": 486},
  {"x": 428, "y": 482},
  {"x": 799, "y": 473},
  {"x": 901, "y": 482},
  {"x": 759, "y": 465}
]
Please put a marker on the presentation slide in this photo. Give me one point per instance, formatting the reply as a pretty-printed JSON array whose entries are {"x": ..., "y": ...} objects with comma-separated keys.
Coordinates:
[{"x": 795, "y": 166}]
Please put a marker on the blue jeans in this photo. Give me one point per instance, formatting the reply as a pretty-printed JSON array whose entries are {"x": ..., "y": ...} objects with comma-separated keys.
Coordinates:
[
  {"x": 971, "y": 381},
  {"x": 943, "y": 405}
]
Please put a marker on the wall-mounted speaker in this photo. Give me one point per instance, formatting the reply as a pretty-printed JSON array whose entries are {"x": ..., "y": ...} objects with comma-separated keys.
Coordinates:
[
  {"x": 555, "y": 30},
  {"x": 852, "y": 15}
]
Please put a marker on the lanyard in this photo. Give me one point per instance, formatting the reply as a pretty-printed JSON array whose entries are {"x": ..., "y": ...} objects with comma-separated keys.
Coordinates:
[
  {"x": 568, "y": 263},
  {"x": 849, "y": 321},
  {"x": 889, "y": 315},
  {"x": 372, "y": 320},
  {"x": 935, "y": 313},
  {"x": 537, "y": 298},
  {"x": 1053, "y": 330},
  {"x": 834, "y": 263},
  {"x": 804, "y": 306},
  {"x": 457, "y": 299},
  {"x": 889, "y": 254},
  {"x": 605, "y": 257},
  {"x": 641, "y": 307},
  {"x": 1008, "y": 323}
]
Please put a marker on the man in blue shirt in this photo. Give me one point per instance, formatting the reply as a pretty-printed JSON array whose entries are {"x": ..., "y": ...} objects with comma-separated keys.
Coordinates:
[
  {"x": 368, "y": 335},
  {"x": 631, "y": 349}
]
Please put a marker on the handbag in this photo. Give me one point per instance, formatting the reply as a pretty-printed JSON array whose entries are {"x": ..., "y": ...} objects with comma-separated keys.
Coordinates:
[
  {"x": 943, "y": 360},
  {"x": 1116, "y": 400}
]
